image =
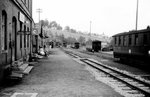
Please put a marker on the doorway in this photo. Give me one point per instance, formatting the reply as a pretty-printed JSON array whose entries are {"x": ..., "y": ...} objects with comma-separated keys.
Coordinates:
[{"x": 14, "y": 40}]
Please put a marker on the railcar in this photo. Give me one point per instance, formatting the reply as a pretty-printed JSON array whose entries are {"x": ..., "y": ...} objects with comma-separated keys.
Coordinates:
[
  {"x": 64, "y": 44},
  {"x": 133, "y": 45},
  {"x": 96, "y": 45},
  {"x": 77, "y": 45}
]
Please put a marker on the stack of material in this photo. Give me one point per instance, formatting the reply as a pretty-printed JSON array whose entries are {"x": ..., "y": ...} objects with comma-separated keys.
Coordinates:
[{"x": 19, "y": 69}]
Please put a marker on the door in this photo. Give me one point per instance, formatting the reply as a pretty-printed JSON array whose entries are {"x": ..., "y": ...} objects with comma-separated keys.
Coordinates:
[{"x": 13, "y": 40}]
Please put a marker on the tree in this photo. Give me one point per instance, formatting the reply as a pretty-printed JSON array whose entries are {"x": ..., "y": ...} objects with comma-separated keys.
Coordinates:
[
  {"x": 111, "y": 42},
  {"x": 81, "y": 39},
  {"x": 89, "y": 42},
  {"x": 53, "y": 24},
  {"x": 59, "y": 27},
  {"x": 44, "y": 22},
  {"x": 67, "y": 28},
  {"x": 62, "y": 38},
  {"x": 73, "y": 31},
  {"x": 71, "y": 40}
]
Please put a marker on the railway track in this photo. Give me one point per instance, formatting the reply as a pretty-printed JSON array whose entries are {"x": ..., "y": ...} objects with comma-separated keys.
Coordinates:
[{"x": 132, "y": 86}]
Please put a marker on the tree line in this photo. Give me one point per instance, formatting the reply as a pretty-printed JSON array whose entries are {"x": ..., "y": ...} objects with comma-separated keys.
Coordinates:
[{"x": 56, "y": 26}]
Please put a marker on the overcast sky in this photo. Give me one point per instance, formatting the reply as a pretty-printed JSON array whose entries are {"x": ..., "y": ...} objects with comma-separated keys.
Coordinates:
[{"x": 108, "y": 16}]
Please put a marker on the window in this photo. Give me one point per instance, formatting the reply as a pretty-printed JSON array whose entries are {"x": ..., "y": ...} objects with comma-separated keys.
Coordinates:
[
  {"x": 115, "y": 40},
  {"x": 136, "y": 39},
  {"x": 24, "y": 36},
  {"x": 28, "y": 39},
  {"x": 145, "y": 41},
  {"x": 25, "y": 1},
  {"x": 130, "y": 40},
  {"x": 119, "y": 40},
  {"x": 4, "y": 31},
  {"x": 124, "y": 40},
  {"x": 28, "y": 3},
  {"x": 21, "y": 34}
]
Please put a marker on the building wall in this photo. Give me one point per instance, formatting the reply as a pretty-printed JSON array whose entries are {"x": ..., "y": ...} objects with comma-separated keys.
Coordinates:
[{"x": 13, "y": 8}]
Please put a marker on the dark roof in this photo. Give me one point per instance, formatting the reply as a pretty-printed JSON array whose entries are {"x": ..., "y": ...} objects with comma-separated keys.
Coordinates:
[
  {"x": 133, "y": 32},
  {"x": 77, "y": 43},
  {"x": 97, "y": 41}
]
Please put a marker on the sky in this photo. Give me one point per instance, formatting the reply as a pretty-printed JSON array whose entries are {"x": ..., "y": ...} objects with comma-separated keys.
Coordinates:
[{"x": 107, "y": 17}]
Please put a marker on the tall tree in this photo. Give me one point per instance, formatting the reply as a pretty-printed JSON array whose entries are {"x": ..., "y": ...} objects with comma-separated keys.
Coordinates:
[
  {"x": 44, "y": 22},
  {"x": 53, "y": 24},
  {"x": 73, "y": 31},
  {"x": 81, "y": 39},
  {"x": 59, "y": 27},
  {"x": 71, "y": 40},
  {"x": 67, "y": 28},
  {"x": 89, "y": 42}
]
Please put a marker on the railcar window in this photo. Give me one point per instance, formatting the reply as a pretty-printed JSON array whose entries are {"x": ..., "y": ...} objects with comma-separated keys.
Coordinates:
[
  {"x": 28, "y": 3},
  {"x": 145, "y": 42},
  {"x": 4, "y": 31},
  {"x": 25, "y": 1},
  {"x": 136, "y": 39},
  {"x": 28, "y": 38},
  {"x": 130, "y": 40},
  {"x": 21, "y": 34},
  {"x": 24, "y": 36},
  {"x": 124, "y": 40},
  {"x": 115, "y": 40},
  {"x": 119, "y": 40}
]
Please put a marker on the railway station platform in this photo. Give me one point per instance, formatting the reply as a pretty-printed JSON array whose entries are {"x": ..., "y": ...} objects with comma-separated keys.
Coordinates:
[{"x": 59, "y": 76}]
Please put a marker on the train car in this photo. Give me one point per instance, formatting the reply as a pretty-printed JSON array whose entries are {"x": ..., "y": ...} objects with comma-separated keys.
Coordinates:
[
  {"x": 96, "y": 46},
  {"x": 76, "y": 45},
  {"x": 64, "y": 44},
  {"x": 133, "y": 45}
]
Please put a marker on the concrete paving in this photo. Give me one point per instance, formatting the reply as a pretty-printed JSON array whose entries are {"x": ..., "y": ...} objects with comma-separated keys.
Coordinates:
[{"x": 59, "y": 76}]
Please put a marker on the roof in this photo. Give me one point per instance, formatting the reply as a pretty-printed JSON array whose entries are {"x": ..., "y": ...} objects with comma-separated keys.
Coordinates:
[
  {"x": 133, "y": 32},
  {"x": 96, "y": 41}
]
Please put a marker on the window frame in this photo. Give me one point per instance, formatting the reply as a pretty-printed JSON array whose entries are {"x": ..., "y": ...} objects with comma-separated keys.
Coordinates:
[
  {"x": 145, "y": 39},
  {"x": 124, "y": 40},
  {"x": 4, "y": 37},
  {"x": 119, "y": 40},
  {"x": 24, "y": 36},
  {"x": 136, "y": 39},
  {"x": 21, "y": 24},
  {"x": 130, "y": 40},
  {"x": 28, "y": 38},
  {"x": 115, "y": 39}
]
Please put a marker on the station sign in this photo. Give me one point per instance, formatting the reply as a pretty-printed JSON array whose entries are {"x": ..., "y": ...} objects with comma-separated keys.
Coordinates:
[{"x": 21, "y": 17}]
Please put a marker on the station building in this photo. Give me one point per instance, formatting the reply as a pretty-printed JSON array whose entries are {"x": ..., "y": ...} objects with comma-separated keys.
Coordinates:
[{"x": 15, "y": 32}]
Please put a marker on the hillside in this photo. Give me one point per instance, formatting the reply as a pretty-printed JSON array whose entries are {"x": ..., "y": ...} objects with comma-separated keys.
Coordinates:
[{"x": 54, "y": 33}]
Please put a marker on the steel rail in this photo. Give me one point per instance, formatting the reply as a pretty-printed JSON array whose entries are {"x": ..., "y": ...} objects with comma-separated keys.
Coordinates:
[{"x": 85, "y": 60}]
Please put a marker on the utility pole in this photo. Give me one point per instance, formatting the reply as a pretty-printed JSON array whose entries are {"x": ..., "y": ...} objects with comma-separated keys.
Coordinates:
[
  {"x": 39, "y": 11},
  {"x": 137, "y": 9},
  {"x": 90, "y": 26},
  {"x": 90, "y": 31}
]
